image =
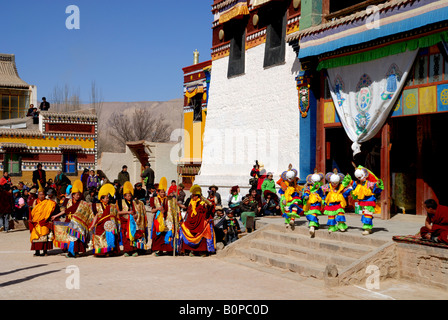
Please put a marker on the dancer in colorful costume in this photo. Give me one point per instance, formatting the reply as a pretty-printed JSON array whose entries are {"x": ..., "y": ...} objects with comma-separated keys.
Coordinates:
[
  {"x": 196, "y": 231},
  {"x": 312, "y": 200},
  {"x": 290, "y": 196},
  {"x": 336, "y": 193},
  {"x": 162, "y": 235},
  {"x": 105, "y": 224},
  {"x": 366, "y": 190},
  {"x": 133, "y": 222},
  {"x": 79, "y": 216}
]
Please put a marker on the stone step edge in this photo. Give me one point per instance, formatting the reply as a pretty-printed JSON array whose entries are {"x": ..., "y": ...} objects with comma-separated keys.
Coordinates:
[
  {"x": 343, "y": 244},
  {"x": 346, "y": 236},
  {"x": 307, "y": 269},
  {"x": 314, "y": 254}
]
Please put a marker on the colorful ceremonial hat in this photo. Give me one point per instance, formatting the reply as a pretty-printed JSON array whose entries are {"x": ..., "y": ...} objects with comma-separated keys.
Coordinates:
[
  {"x": 334, "y": 176},
  {"x": 163, "y": 184},
  {"x": 196, "y": 190},
  {"x": 128, "y": 188},
  {"x": 106, "y": 189},
  {"x": 77, "y": 187},
  {"x": 289, "y": 174},
  {"x": 41, "y": 189},
  {"x": 315, "y": 177}
]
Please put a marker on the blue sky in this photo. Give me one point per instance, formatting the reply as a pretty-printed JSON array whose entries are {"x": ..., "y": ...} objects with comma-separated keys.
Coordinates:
[{"x": 134, "y": 50}]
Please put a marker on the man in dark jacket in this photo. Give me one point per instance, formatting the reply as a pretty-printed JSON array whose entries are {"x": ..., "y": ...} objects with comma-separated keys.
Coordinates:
[
  {"x": 123, "y": 175},
  {"x": 6, "y": 207},
  {"x": 39, "y": 175},
  {"x": 45, "y": 105},
  {"x": 148, "y": 174}
]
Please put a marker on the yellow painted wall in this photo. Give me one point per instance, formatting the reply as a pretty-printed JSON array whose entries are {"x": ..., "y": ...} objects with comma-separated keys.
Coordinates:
[
  {"x": 193, "y": 140},
  {"x": 49, "y": 141}
]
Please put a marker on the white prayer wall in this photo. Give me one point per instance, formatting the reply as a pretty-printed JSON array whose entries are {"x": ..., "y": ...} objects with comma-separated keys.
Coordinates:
[{"x": 253, "y": 116}]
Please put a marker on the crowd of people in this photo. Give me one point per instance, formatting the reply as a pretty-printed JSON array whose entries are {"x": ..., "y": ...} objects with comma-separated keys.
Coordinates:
[{"x": 111, "y": 218}]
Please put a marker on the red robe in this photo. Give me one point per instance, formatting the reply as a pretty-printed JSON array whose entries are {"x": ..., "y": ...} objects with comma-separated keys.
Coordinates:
[
  {"x": 79, "y": 246},
  {"x": 198, "y": 224},
  {"x": 439, "y": 224},
  {"x": 158, "y": 240}
]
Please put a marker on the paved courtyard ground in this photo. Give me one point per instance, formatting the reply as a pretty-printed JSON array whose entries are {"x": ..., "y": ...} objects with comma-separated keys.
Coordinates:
[{"x": 147, "y": 277}]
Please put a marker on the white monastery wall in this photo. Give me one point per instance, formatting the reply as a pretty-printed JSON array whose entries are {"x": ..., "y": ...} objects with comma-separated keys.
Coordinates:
[{"x": 253, "y": 116}]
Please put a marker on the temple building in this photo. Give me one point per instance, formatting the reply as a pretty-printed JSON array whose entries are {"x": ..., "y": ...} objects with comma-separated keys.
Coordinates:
[
  {"x": 60, "y": 141},
  {"x": 196, "y": 89},
  {"x": 378, "y": 71},
  {"x": 15, "y": 94},
  {"x": 252, "y": 110}
]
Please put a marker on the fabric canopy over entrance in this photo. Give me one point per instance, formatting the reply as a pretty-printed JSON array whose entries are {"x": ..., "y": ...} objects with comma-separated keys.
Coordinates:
[
  {"x": 256, "y": 3},
  {"x": 386, "y": 19},
  {"x": 233, "y": 10},
  {"x": 364, "y": 93}
]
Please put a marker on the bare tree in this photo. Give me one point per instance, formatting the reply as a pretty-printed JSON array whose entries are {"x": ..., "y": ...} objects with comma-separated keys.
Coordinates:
[
  {"x": 140, "y": 125},
  {"x": 65, "y": 99},
  {"x": 96, "y": 98}
]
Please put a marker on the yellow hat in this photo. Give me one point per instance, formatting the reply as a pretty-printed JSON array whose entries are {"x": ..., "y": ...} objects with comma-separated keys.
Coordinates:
[
  {"x": 163, "y": 184},
  {"x": 41, "y": 189},
  {"x": 128, "y": 188},
  {"x": 196, "y": 190},
  {"x": 77, "y": 186},
  {"x": 105, "y": 190}
]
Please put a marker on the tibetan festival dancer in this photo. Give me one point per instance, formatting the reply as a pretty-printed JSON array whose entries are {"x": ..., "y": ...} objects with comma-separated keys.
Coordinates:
[
  {"x": 290, "y": 192},
  {"x": 312, "y": 199},
  {"x": 196, "y": 233},
  {"x": 336, "y": 193},
  {"x": 162, "y": 225},
  {"x": 133, "y": 222},
  {"x": 40, "y": 223},
  {"x": 79, "y": 216},
  {"x": 105, "y": 224},
  {"x": 366, "y": 190}
]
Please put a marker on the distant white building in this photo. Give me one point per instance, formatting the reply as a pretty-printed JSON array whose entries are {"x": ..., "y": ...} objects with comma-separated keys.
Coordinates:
[{"x": 137, "y": 154}]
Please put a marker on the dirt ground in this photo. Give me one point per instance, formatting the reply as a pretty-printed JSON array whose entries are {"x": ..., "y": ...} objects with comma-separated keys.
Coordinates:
[{"x": 148, "y": 277}]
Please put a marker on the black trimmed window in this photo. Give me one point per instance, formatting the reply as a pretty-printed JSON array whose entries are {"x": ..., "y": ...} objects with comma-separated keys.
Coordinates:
[
  {"x": 196, "y": 104},
  {"x": 236, "y": 32},
  {"x": 275, "y": 14},
  {"x": 12, "y": 164}
]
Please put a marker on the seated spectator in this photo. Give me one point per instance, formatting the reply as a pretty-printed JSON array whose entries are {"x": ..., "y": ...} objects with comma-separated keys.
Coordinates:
[
  {"x": 255, "y": 197},
  {"x": 231, "y": 228},
  {"x": 213, "y": 191},
  {"x": 234, "y": 200},
  {"x": 248, "y": 208},
  {"x": 271, "y": 206},
  {"x": 436, "y": 223},
  {"x": 218, "y": 225}
]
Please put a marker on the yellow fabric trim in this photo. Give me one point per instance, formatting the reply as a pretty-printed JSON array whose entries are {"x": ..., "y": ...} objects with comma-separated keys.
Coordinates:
[
  {"x": 191, "y": 94},
  {"x": 237, "y": 10},
  {"x": 336, "y": 196},
  {"x": 193, "y": 207},
  {"x": 362, "y": 191}
]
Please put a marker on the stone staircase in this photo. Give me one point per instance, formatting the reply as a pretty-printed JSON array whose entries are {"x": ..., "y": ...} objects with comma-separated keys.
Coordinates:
[{"x": 336, "y": 258}]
